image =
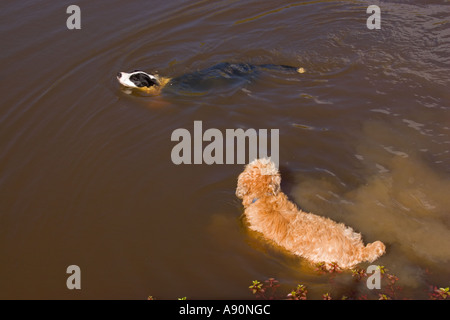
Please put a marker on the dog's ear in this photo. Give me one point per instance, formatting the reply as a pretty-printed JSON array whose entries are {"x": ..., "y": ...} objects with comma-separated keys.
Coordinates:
[
  {"x": 141, "y": 79},
  {"x": 242, "y": 187},
  {"x": 274, "y": 185},
  {"x": 153, "y": 82},
  {"x": 146, "y": 81},
  {"x": 270, "y": 176}
]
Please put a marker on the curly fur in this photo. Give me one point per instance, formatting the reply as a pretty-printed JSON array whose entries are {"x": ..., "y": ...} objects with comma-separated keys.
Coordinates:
[{"x": 316, "y": 238}]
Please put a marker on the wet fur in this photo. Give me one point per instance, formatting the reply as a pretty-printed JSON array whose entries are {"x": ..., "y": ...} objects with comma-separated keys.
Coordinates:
[{"x": 316, "y": 238}]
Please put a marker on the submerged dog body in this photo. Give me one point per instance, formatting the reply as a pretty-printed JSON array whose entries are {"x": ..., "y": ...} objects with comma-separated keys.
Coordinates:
[
  {"x": 222, "y": 74},
  {"x": 316, "y": 238}
]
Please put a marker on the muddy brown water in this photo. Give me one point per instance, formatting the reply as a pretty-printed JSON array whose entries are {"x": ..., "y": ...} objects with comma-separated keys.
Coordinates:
[{"x": 86, "y": 176}]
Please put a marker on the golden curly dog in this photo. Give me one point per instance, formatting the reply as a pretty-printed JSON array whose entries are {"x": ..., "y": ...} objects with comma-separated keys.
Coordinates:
[{"x": 318, "y": 239}]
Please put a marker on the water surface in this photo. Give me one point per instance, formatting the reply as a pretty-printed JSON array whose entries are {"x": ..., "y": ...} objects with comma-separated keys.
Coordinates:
[{"x": 86, "y": 176}]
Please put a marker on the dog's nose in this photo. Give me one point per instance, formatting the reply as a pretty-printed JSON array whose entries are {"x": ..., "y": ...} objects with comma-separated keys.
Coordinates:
[{"x": 119, "y": 74}]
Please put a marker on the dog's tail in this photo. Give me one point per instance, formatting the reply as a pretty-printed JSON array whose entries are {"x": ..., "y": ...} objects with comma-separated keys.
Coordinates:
[
  {"x": 373, "y": 251},
  {"x": 281, "y": 67}
]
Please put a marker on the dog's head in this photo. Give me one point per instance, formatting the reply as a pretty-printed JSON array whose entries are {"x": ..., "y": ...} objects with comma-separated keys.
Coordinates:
[
  {"x": 137, "y": 79},
  {"x": 259, "y": 179}
]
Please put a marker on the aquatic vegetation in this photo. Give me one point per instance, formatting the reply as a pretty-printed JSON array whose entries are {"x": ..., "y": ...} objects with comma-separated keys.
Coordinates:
[
  {"x": 326, "y": 296},
  {"x": 298, "y": 294},
  {"x": 390, "y": 290},
  {"x": 439, "y": 293},
  {"x": 266, "y": 290}
]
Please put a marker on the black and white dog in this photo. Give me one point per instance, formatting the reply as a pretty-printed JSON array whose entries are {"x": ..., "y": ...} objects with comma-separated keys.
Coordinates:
[{"x": 234, "y": 74}]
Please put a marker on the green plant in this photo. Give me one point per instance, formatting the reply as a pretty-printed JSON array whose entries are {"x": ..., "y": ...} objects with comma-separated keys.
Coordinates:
[
  {"x": 266, "y": 290},
  {"x": 390, "y": 290},
  {"x": 439, "y": 293},
  {"x": 298, "y": 294}
]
